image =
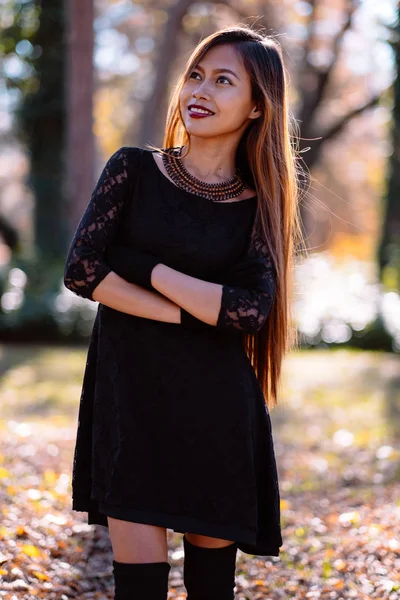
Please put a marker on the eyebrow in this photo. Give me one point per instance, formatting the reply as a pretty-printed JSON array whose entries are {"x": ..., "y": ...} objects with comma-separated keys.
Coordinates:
[{"x": 219, "y": 71}]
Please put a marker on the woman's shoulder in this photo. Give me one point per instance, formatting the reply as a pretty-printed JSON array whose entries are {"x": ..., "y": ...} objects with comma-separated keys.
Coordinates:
[
  {"x": 131, "y": 153},
  {"x": 125, "y": 160},
  {"x": 127, "y": 155}
]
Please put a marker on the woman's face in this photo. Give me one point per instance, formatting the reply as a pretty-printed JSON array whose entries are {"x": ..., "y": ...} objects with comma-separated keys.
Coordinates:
[{"x": 227, "y": 94}]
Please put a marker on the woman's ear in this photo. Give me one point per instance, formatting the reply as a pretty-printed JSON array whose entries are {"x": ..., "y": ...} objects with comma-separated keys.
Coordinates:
[{"x": 255, "y": 113}]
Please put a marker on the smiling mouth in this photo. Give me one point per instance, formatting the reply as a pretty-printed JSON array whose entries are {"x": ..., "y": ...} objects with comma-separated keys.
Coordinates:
[{"x": 197, "y": 111}]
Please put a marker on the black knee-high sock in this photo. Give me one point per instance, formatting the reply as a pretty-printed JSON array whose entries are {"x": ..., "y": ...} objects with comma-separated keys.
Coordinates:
[
  {"x": 134, "y": 581},
  {"x": 209, "y": 573}
]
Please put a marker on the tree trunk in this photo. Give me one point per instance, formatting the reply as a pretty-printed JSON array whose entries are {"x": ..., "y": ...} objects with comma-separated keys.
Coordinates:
[
  {"x": 155, "y": 107},
  {"x": 389, "y": 248},
  {"x": 42, "y": 127},
  {"x": 79, "y": 100}
]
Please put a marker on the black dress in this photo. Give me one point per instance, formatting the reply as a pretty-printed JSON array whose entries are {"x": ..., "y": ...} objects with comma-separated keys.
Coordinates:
[{"x": 173, "y": 427}]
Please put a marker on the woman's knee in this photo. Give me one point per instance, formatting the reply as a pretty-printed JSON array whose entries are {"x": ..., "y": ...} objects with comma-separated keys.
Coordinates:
[{"x": 137, "y": 542}]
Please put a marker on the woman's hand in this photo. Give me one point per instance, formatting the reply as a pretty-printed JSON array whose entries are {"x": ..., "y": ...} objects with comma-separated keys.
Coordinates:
[{"x": 246, "y": 273}]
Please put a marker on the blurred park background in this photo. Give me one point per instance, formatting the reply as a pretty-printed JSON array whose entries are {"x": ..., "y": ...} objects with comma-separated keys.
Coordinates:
[{"x": 79, "y": 79}]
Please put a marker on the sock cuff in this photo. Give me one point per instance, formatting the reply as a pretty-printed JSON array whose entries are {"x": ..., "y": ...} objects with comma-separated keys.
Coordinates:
[{"x": 145, "y": 568}]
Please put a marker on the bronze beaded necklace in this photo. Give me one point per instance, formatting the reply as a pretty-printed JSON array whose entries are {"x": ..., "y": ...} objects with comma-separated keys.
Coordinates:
[{"x": 188, "y": 182}]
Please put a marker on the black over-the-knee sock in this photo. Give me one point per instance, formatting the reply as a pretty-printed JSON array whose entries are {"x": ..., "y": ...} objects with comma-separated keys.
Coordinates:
[
  {"x": 209, "y": 573},
  {"x": 134, "y": 581}
]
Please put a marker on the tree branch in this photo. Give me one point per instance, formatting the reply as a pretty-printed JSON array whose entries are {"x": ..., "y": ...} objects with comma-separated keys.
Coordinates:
[
  {"x": 312, "y": 100},
  {"x": 312, "y": 155}
]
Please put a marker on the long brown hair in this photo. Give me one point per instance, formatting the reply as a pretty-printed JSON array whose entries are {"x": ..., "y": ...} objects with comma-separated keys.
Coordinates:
[{"x": 266, "y": 157}]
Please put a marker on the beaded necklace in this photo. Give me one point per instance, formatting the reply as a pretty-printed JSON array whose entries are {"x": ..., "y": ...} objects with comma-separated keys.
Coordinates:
[{"x": 188, "y": 182}]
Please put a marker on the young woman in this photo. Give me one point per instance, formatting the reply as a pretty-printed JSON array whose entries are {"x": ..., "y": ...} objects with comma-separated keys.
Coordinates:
[{"x": 188, "y": 249}]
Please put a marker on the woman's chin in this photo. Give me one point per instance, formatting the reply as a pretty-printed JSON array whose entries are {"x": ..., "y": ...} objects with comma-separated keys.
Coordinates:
[{"x": 200, "y": 131}]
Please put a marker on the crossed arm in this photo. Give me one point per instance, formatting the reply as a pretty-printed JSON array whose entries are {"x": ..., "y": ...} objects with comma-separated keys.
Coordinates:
[
  {"x": 117, "y": 293},
  {"x": 201, "y": 298},
  {"x": 184, "y": 299}
]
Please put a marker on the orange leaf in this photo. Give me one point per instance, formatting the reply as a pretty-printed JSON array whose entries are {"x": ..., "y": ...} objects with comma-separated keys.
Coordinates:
[
  {"x": 40, "y": 575},
  {"x": 50, "y": 477},
  {"x": 30, "y": 550}
]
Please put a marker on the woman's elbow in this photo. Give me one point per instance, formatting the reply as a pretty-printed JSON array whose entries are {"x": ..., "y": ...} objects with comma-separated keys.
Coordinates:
[
  {"x": 253, "y": 327},
  {"x": 68, "y": 281},
  {"x": 255, "y": 323},
  {"x": 79, "y": 288}
]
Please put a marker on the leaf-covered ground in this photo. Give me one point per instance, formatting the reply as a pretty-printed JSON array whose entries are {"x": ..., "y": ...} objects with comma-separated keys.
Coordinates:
[{"x": 336, "y": 433}]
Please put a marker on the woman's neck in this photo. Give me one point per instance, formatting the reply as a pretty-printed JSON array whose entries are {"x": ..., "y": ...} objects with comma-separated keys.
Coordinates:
[{"x": 208, "y": 162}]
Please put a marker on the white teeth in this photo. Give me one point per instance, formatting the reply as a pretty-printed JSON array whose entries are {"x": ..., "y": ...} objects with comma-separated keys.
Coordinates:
[{"x": 201, "y": 111}]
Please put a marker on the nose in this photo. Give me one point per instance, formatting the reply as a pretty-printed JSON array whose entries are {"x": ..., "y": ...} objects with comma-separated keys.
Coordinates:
[{"x": 201, "y": 91}]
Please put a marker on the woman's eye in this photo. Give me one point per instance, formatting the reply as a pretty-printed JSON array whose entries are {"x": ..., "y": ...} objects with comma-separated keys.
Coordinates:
[{"x": 220, "y": 77}]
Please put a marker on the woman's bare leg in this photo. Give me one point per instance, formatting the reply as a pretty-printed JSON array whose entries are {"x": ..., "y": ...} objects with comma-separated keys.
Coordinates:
[
  {"x": 207, "y": 542},
  {"x": 137, "y": 542}
]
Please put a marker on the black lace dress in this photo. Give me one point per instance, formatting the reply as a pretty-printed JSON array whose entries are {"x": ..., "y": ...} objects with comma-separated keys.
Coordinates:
[{"x": 173, "y": 428}]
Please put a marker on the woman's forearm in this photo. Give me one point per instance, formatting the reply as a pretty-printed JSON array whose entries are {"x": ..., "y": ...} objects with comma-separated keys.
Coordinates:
[
  {"x": 200, "y": 298},
  {"x": 115, "y": 292}
]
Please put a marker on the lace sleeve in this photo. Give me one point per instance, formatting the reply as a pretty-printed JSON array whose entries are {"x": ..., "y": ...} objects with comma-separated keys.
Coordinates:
[
  {"x": 247, "y": 309},
  {"x": 85, "y": 267}
]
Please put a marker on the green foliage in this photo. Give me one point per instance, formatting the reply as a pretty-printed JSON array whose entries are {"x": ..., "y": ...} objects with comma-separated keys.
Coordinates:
[
  {"x": 36, "y": 306},
  {"x": 29, "y": 316},
  {"x": 33, "y": 43},
  {"x": 374, "y": 337},
  {"x": 20, "y": 24}
]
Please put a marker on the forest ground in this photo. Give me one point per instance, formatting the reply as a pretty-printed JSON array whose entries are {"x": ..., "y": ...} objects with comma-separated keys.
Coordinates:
[{"x": 336, "y": 434}]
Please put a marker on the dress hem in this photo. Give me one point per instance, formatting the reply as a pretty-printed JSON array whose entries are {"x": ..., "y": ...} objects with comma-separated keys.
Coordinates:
[{"x": 245, "y": 538}]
